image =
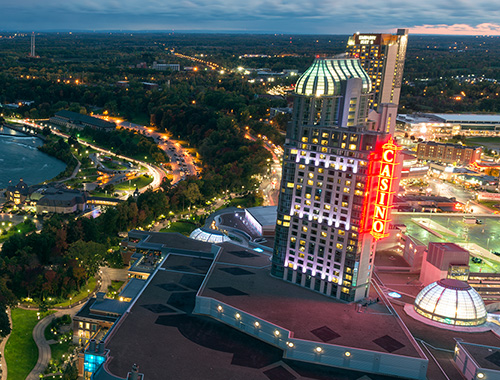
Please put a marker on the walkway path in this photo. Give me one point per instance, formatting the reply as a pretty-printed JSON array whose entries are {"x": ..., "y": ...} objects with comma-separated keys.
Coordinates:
[{"x": 44, "y": 353}]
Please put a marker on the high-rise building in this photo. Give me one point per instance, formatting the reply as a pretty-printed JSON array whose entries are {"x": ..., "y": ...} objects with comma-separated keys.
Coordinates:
[
  {"x": 383, "y": 58},
  {"x": 339, "y": 169}
]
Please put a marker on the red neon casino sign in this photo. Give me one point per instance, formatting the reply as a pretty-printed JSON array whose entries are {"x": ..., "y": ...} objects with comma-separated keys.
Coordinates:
[{"x": 387, "y": 181}]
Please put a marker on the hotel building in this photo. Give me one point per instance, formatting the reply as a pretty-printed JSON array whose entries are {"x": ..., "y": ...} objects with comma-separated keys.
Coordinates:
[
  {"x": 383, "y": 58},
  {"x": 338, "y": 172}
]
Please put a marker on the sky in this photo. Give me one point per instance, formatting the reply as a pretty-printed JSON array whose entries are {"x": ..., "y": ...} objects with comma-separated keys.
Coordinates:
[{"x": 467, "y": 17}]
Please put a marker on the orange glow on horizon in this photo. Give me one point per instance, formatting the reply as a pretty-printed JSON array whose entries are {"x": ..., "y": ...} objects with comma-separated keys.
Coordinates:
[{"x": 488, "y": 29}]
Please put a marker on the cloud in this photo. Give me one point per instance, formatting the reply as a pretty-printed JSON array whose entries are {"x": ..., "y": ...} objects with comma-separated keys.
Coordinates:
[
  {"x": 288, "y": 16},
  {"x": 458, "y": 29}
]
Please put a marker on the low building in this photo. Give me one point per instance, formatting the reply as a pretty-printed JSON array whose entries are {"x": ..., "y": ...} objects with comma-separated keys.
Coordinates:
[
  {"x": 262, "y": 219},
  {"x": 61, "y": 201},
  {"x": 428, "y": 125},
  {"x": 477, "y": 361},
  {"x": 75, "y": 120},
  {"x": 448, "y": 153},
  {"x": 18, "y": 193},
  {"x": 444, "y": 260},
  {"x": 413, "y": 251},
  {"x": 424, "y": 203},
  {"x": 166, "y": 66}
]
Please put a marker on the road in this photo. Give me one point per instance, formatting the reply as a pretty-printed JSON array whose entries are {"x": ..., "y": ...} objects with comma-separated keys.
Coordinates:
[
  {"x": 270, "y": 185},
  {"x": 446, "y": 189},
  {"x": 181, "y": 162},
  {"x": 157, "y": 173}
]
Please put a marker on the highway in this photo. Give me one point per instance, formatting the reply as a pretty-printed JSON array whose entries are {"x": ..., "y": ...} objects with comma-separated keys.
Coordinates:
[
  {"x": 179, "y": 156},
  {"x": 271, "y": 183}
]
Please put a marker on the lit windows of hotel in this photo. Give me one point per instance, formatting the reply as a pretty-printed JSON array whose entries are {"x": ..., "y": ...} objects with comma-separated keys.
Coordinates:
[
  {"x": 383, "y": 57},
  {"x": 326, "y": 200}
]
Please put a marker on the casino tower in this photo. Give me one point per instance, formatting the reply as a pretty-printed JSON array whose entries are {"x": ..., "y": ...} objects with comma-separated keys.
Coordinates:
[{"x": 340, "y": 170}]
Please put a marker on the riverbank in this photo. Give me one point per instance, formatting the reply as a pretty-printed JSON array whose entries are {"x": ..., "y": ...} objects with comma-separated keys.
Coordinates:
[{"x": 21, "y": 158}]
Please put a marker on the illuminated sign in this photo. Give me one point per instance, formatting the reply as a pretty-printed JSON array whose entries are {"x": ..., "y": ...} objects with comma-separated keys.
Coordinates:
[
  {"x": 366, "y": 39},
  {"x": 387, "y": 180}
]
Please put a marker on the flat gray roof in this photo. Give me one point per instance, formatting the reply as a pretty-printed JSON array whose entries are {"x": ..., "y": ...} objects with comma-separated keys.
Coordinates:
[
  {"x": 487, "y": 357},
  {"x": 133, "y": 287},
  {"x": 265, "y": 215},
  {"x": 467, "y": 118},
  {"x": 247, "y": 273}
]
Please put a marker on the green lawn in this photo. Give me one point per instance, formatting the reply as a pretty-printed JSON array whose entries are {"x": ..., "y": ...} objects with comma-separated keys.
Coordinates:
[
  {"x": 114, "y": 287},
  {"x": 21, "y": 352},
  {"x": 58, "y": 350},
  {"x": 490, "y": 204},
  {"x": 79, "y": 296},
  {"x": 141, "y": 120},
  {"x": 140, "y": 182},
  {"x": 18, "y": 228},
  {"x": 480, "y": 140},
  {"x": 184, "y": 228}
]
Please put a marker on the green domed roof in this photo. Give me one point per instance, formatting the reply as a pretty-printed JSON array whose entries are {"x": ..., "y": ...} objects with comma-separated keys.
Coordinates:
[{"x": 324, "y": 76}]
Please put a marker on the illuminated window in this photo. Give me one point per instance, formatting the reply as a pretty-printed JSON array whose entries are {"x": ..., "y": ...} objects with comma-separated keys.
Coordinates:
[
  {"x": 305, "y": 139},
  {"x": 347, "y": 190},
  {"x": 293, "y": 239},
  {"x": 345, "y": 290},
  {"x": 286, "y": 224},
  {"x": 294, "y": 151},
  {"x": 290, "y": 184},
  {"x": 304, "y": 228},
  {"x": 323, "y": 233},
  {"x": 308, "y": 196},
  {"x": 341, "y": 232},
  {"x": 340, "y": 246},
  {"x": 321, "y": 170},
  {"x": 345, "y": 204},
  {"x": 302, "y": 166},
  {"x": 310, "y": 182},
  {"x": 352, "y": 146},
  {"x": 286, "y": 217},
  {"x": 327, "y": 207},
  {"x": 311, "y": 175},
  {"x": 308, "y": 202}
]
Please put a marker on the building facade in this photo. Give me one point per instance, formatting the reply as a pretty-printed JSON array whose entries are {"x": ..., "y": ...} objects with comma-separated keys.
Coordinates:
[
  {"x": 325, "y": 236},
  {"x": 448, "y": 153},
  {"x": 383, "y": 57}
]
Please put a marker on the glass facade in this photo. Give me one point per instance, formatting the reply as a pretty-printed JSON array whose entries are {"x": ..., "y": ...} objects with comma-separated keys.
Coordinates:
[
  {"x": 452, "y": 302},
  {"x": 91, "y": 363}
]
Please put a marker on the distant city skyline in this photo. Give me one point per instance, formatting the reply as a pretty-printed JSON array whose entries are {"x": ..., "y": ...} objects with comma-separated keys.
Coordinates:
[{"x": 462, "y": 17}]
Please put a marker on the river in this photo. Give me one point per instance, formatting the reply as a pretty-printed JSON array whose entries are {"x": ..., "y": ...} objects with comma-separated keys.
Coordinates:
[{"x": 20, "y": 158}]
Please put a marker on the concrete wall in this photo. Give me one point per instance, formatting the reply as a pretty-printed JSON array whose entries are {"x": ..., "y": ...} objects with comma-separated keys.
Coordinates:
[{"x": 313, "y": 352}]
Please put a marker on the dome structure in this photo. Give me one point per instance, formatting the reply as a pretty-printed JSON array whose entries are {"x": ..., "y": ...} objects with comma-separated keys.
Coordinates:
[
  {"x": 452, "y": 302},
  {"x": 324, "y": 77},
  {"x": 209, "y": 236}
]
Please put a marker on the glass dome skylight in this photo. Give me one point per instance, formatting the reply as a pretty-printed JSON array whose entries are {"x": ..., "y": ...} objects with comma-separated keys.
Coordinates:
[
  {"x": 452, "y": 302},
  {"x": 324, "y": 77}
]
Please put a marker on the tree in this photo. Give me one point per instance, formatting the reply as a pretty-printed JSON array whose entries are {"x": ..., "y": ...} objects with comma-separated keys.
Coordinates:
[
  {"x": 70, "y": 372},
  {"x": 192, "y": 193},
  {"x": 5, "y": 328},
  {"x": 89, "y": 254}
]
